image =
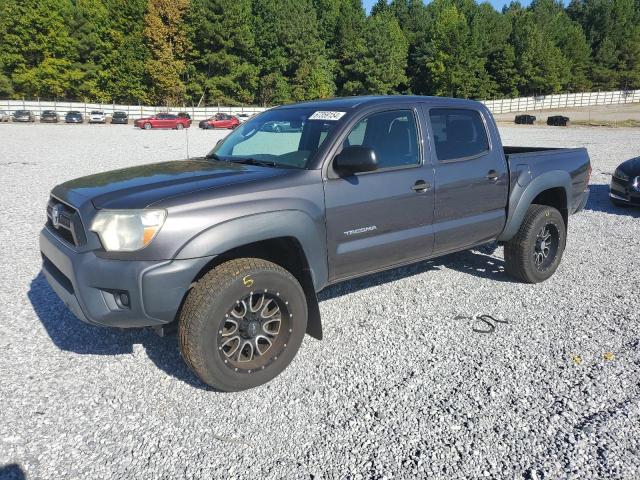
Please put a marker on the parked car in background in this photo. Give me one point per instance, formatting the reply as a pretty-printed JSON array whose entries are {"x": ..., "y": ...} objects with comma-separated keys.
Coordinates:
[
  {"x": 49, "y": 116},
  {"x": 243, "y": 117},
  {"x": 625, "y": 184},
  {"x": 120, "y": 117},
  {"x": 184, "y": 115},
  {"x": 220, "y": 120},
  {"x": 97, "y": 116},
  {"x": 279, "y": 127},
  {"x": 163, "y": 120},
  {"x": 24, "y": 116},
  {"x": 4, "y": 116},
  {"x": 73, "y": 117}
]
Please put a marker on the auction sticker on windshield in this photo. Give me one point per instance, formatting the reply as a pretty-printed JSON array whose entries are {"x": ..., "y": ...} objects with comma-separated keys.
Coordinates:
[{"x": 327, "y": 115}]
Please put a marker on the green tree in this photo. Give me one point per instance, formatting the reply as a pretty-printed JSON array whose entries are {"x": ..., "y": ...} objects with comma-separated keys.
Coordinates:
[
  {"x": 292, "y": 57},
  {"x": 223, "y": 59},
  {"x": 166, "y": 36},
  {"x": 124, "y": 76},
  {"x": 37, "y": 53},
  {"x": 449, "y": 55},
  {"x": 381, "y": 68}
]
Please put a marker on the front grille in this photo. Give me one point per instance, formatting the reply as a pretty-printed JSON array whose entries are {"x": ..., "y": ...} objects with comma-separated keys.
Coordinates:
[{"x": 67, "y": 225}]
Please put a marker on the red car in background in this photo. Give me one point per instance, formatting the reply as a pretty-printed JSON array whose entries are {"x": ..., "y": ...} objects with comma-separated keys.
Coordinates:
[
  {"x": 163, "y": 120},
  {"x": 220, "y": 120}
]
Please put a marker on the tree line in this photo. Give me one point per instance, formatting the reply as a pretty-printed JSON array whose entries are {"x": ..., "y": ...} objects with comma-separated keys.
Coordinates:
[{"x": 267, "y": 52}]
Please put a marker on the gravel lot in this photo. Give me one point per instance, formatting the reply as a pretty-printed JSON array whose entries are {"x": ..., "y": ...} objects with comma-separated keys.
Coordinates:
[{"x": 398, "y": 388}]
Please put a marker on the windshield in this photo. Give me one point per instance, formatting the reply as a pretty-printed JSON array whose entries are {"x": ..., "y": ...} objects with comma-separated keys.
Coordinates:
[{"x": 281, "y": 138}]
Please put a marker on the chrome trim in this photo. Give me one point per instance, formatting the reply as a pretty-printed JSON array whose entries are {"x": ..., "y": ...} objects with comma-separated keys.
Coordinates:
[{"x": 617, "y": 197}]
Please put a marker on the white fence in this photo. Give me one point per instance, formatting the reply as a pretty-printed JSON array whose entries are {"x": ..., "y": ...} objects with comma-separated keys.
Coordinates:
[
  {"x": 134, "y": 111},
  {"x": 562, "y": 100},
  {"x": 507, "y": 105}
]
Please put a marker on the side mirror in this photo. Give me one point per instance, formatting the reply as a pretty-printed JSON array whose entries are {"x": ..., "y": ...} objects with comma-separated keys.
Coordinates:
[{"x": 355, "y": 159}]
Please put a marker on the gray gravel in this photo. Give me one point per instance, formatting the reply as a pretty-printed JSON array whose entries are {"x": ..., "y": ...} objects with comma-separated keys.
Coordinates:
[{"x": 399, "y": 387}]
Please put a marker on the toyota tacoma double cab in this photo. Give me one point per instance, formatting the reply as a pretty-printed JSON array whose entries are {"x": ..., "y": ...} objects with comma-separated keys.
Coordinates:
[{"x": 231, "y": 248}]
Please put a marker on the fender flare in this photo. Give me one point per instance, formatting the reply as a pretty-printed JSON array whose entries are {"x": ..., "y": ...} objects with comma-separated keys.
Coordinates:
[
  {"x": 523, "y": 194},
  {"x": 237, "y": 232}
]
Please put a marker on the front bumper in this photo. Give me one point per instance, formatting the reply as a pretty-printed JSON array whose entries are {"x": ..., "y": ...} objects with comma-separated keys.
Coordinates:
[
  {"x": 624, "y": 191},
  {"x": 89, "y": 285}
]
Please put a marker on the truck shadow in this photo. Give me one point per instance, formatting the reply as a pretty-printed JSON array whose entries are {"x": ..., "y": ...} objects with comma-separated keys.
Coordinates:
[
  {"x": 599, "y": 202},
  {"x": 478, "y": 262},
  {"x": 70, "y": 334}
]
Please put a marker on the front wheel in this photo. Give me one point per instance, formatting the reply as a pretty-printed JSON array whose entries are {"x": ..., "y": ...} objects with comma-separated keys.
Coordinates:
[
  {"x": 242, "y": 324},
  {"x": 147, "y": 126},
  {"x": 534, "y": 253}
]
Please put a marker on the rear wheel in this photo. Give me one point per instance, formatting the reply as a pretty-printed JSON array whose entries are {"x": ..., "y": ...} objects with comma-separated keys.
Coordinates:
[
  {"x": 534, "y": 253},
  {"x": 179, "y": 126},
  {"x": 242, "y": 324}
]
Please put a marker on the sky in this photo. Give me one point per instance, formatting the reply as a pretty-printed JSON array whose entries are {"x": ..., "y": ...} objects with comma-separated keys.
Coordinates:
[{"x": 497, "y": 4}]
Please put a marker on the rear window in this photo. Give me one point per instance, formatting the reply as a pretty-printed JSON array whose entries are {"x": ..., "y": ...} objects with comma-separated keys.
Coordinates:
[{"x": 458, "y": 133}]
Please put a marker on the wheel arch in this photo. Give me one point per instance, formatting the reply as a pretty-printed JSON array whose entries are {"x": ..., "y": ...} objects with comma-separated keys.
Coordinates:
[
  {"x": 551, "y": 189},
  {"x": 289, "y": 239}
]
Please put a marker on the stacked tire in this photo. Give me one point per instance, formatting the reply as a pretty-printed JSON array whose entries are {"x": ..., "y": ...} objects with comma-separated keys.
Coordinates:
[
  {"x": 558, "y": 121},
  {"x": 525, "y": 119}
]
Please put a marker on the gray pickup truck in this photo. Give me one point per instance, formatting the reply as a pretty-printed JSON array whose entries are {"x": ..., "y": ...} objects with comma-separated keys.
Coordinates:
[{"x": 231, "y": 248}]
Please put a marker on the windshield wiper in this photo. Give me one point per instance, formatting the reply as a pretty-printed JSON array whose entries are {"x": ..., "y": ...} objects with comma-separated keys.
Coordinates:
[
  {"x": 255, "y": 161},
  {"x": 213, "y": 156}
]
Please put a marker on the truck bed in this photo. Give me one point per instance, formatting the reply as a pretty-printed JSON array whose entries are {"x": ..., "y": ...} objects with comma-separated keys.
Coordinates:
[
  {"x": 518, "y": 150},
  {"x": 527, "y": 163}
]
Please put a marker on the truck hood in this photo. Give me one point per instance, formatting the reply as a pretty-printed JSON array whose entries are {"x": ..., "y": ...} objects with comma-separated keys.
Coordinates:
[{"x": 141, "y": 186}]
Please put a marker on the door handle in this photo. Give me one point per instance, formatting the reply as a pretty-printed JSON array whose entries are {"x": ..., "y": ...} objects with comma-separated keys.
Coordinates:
[
  {"x": 421, "y": 186},
  {"x": 492, "y": 175}
]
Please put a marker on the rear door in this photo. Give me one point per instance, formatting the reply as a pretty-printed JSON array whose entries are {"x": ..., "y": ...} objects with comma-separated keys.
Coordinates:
[
  {"x": 379, "y": 219},
  {"x": 471, "y": 179}
]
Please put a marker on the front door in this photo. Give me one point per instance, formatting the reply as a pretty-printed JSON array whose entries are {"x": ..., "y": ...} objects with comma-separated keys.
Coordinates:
[{"x": 382, "y": 218}]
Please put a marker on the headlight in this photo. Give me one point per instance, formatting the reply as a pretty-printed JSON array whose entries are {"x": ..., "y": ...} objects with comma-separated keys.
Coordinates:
[
  {"x": 127, "y": 230},
  {"x": 621, "y": 175}
]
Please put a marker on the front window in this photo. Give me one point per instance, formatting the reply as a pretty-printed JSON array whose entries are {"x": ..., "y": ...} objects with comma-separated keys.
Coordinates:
[
  {"x": 392, "y": 135},
  {"x": 282, "y": 138}
]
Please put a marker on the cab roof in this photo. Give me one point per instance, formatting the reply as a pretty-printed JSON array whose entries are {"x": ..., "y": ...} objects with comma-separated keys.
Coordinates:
[{"x": 349, "y": 103}]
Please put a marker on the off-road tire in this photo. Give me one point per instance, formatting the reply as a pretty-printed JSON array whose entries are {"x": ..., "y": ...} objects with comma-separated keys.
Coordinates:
[
  {"x": 519, "y": 252},
  {"x": 206, "y": 309}
]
